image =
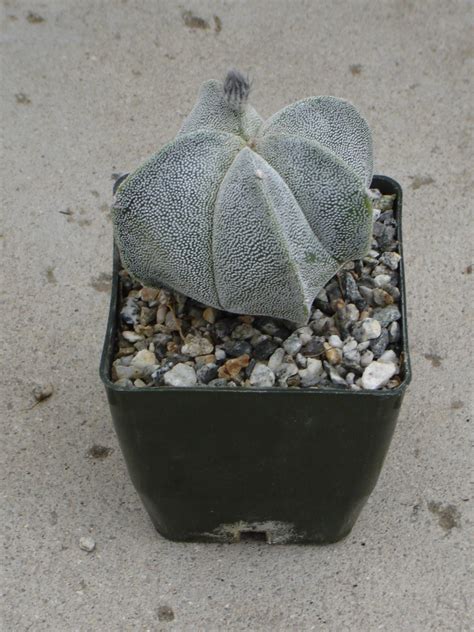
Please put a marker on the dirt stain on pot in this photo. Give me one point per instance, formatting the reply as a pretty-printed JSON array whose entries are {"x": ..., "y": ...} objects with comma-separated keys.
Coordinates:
[
  {"x": 421, "y": 181},
  {"x": 165, "y": 613},
  {"x": 102, "y": 282},
  {"x": 468, "y": 269},
  {"x": 193, "y": 21},
  {"x": 448, "y": 515},
  {"x": 99, "y": 452},
  {"x": 434, "y": 358},
  {"x": 457, "y": 404}
]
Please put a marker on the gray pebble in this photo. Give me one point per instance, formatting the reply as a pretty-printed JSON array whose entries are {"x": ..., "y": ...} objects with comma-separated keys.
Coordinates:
[
  {"x": 244, "y": 331},
  {"x": 86, "y": 543},
  {"x": 366, "y": 358},
  {"x": 386, "y": 315},
  {"x": 292, "y": 344},
  {"x": 390, "y": 259},
  {"x": 130, "y": 311},
  {"x": 196, "y": 346},
  {"x": 378, "y": 345},
  {"x": 311, "y": 375},
  {"x": 394, "y": 332},
  {"x": 236, "y": 348},
  {"x": 314, "y": 347},
  {"x": 264, "y": 349},
  {"x": 367, "y": 329},
  {"x": 276, "y": 359},
  {"x": 206, "y": 373},
  {"x": 218, "y": 382}
]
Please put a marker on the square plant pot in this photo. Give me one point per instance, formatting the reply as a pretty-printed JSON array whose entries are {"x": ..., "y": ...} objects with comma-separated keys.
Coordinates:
[{"x": 284, "y": 465}]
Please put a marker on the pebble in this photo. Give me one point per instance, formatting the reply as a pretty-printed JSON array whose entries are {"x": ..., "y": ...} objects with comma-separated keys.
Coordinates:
[
  {"x": 236, "y": 348},
  {"x": 180, "y": 375},
  {"x": 205, "y": 359},
  {"x": 335, "y": 341},
  {"x": 394, "y": 332},
  {"x": 314, "y": 347},
  {"x": 206, "y": 373},
  {"x": 390, "y": 259},
  {"x": 210, "y": 315},
  {"x": 147, "y": 315},
  {"x": 139, "y": 383},
  {"x": 243, "y": 332},
  {"x": 220, "y": 354},
  {"x": 292, "y": 344},
  {"x": 130, "y": 311},
  {"x": 335, "y": 377},
  {"x": 368, "y": 329},
  {"x": 262, "y": 376},
  {"x": 196, "y": 346},
  {"x": 86, "y": 543},
  {"x": 149, "y": 294},
  {"x": 300, "y": 361},
  {"x": 386, "y": 315},
  {"x": 144, "y": 359},
  {"x": 284, "y": 371},
  {"x": 219, "y": 382},
  {"x": 366, "y": 358},
  {"x": 232, "y": 367},
  {"x": 132, "y": 336},
  {"x": 351, "y": 289},
  {"x": 312, "y": 374},
  {"x": 42, "y": 391},
  {"x": 379, "y": 345},
  {"x": 377, "y": 374},
  {"x": 264, "y": 349},
  {"x": 123, "y": 382},
  {"x": 127, "y": 372},
  {"x": 305, "y": 334},
  {"x": 161, "y": 313},
  {"x": 332, "y": 354},
  {"x": 276, "y": 359}
]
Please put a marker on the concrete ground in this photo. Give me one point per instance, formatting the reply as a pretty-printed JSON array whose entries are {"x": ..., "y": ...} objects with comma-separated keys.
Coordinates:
[{"x": 90, "y": 88}]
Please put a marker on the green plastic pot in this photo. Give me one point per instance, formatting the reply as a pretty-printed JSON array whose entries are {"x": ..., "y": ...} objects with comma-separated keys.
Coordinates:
[{"x": 278, "y": 464}]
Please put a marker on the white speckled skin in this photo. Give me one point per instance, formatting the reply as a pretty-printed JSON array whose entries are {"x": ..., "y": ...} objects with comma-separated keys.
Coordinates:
[{"x": 246, "y": 216}]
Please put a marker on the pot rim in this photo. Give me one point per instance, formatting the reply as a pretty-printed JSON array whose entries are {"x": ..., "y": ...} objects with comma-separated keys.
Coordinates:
[{"x": 384, "y": 184}]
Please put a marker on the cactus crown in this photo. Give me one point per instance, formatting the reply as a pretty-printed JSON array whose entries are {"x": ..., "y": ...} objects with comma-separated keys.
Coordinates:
[{"x": 250, "y": 216}]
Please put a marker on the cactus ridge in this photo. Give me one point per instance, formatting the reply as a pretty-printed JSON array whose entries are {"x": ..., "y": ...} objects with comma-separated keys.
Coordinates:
[{"x": 250, "y": 216}]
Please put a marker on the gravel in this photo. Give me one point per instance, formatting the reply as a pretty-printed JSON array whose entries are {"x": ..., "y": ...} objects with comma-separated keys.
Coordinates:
[{"x": 352, "y": 340}]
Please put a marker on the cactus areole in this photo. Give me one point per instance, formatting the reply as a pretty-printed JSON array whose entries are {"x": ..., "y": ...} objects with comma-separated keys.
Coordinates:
[{"x": 245, "y": 215}]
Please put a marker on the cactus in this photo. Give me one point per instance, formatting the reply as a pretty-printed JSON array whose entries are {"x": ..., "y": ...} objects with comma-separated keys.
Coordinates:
[{"x": 249, "y": 216}]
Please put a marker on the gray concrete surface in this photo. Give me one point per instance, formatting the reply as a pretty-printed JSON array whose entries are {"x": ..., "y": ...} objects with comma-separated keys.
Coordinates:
[{"x": 94, "y": 88}]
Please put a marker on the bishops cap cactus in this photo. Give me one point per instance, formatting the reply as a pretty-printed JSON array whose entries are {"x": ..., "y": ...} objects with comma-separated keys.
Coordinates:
[{"x": 250, "y": 216}]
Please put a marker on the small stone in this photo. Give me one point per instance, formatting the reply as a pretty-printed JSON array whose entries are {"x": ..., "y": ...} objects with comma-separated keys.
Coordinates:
[
  {"x": 243, "y": 332},
  {"x": 143, "y": 359},
  {"x": 394, "y": 332},
  {"x": 218, "y": 382},
  {"x": 312, "y": 374},
  {"x": 139, "y": 383},
  {"x": 264, "y": 349},
  {"x": 130, "y": 311},
  {"x": 164, "y": 297},
  {"x": 305, "y": 334},
  {"x": 386, "y": 315},
  {"x": 267, "y": 325},
  {"x": 314, "y": 347},
  {"x": 262, "y": 376},
  {"x": 127, "y": 372},
  {"x": 390, "y": 259},
  {"x": 349, "y": 345},
  {"x": 220, "y": 354},
  {"x": 132, "y": 336},
  {"x": 284, "y": 371},
  {"x": 180, "y": 375},
  {"x": 335, "y": 377},
  {"x": 125, "y": 351},
  {"x": 377, "y": 374},
  {"x": 236, "y": 348},
  {"x": 379, "y": 345},
  {"x": 232, "y": 367},
  {"x": 368, "y": 329},
  {"x": 332, "y": 354},
  {"x": 161, "y": 314},
  {"x": 149, "y": 294},
  {"x": 86, "y": 543},
  {"x": 385, "y": 203},
  {"x": 276, "y": 359},
  {"x": 223, "y": 327},
  {"x": 350, "y": 377},
  {"x": 210, "y": 315},
  {"x": 196, "y": 346},
  {"x": 367, "y": 294},
  {"x": 381, "y": 280},
  {"x": 366, "y": 358},
  {"x": 335, "y": 342},
  {"x": 362, "y": 346},
  {"x": 207, "y": 373},
  {"x": 389, "y": 356},
  {"x": 352, "y": 358},
  {"x": 382, "y": 298},
  {"x": 300, "y": 361},
  {"x": 351, "y": 289},
  {"x": 292, "y": 344},
  {"x": 42, "y": 391},
  {"x": 172, "y": 322},
  {"x": 293, "y": 381},
  {"x": 210, "y": 358},
  {"x": 123, "y": 382}
]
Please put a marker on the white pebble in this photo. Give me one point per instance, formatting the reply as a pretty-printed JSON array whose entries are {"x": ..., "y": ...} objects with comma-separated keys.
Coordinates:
[
  {"x": 382, "y": 280},
  {"x": 366, "y": 358},
  {"x": 377, "y": 374},
  {"x": 180, "y": 375},
  {"x": 262, "y": 376},
  {"x": 144, "y": 358},
  {"x": 132, "y": 336},
  {"x": 312, "y": 374},
  {"x": 335, "y": 342},
  {"x": 276, "y": 359},
  {"x": 305, "y": 334},
  {"x": 220, "y": 353}
]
